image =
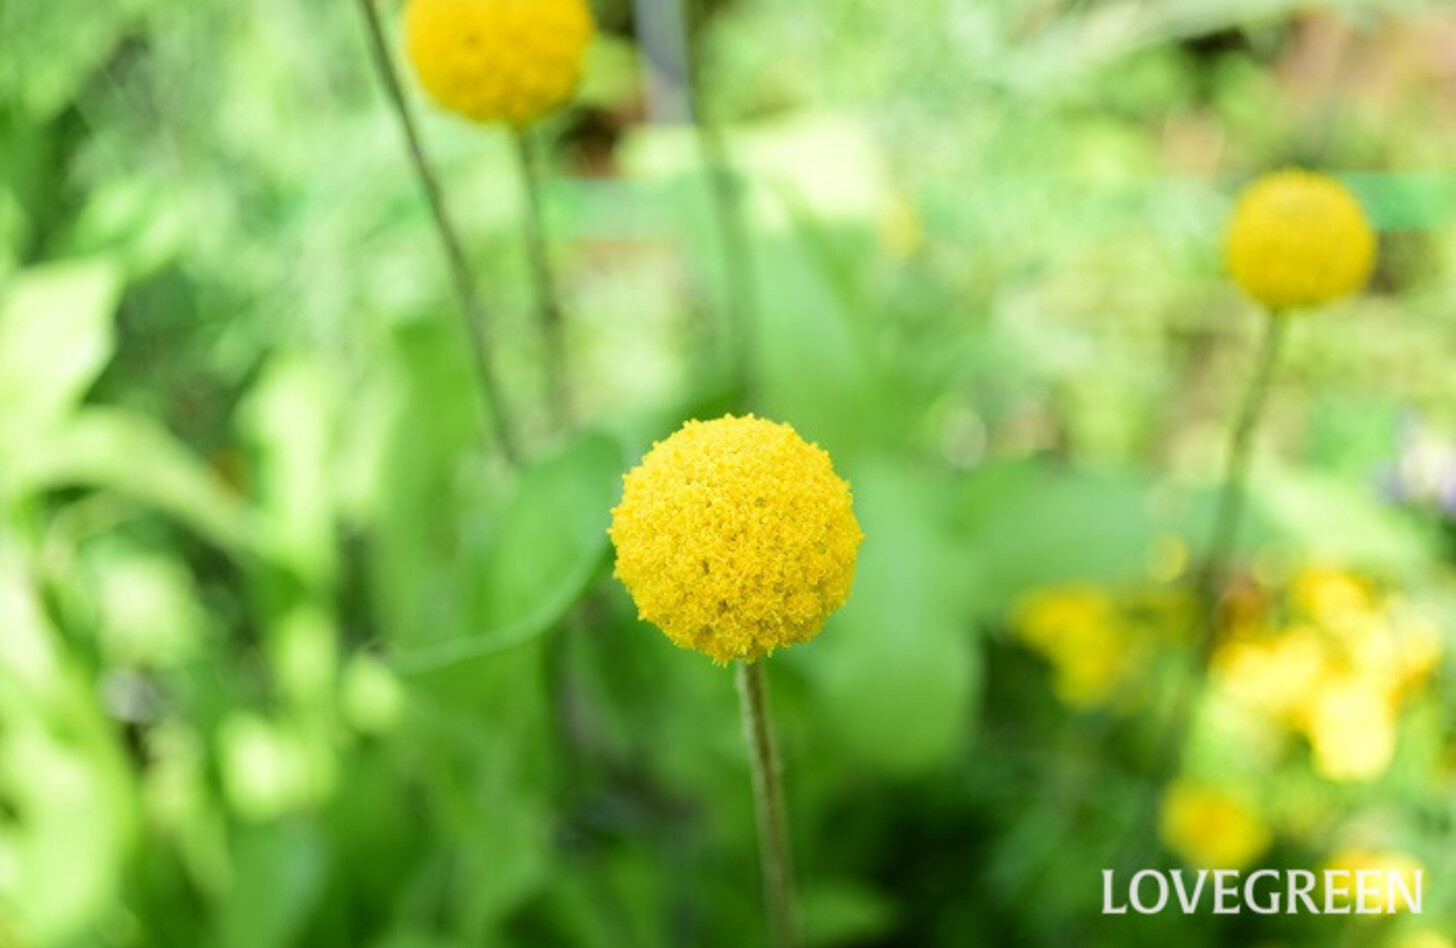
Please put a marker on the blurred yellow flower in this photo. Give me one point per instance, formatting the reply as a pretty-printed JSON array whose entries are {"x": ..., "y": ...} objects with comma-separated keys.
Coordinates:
[
  {"x": 1374, "y": 871},
  {"x": 1299, "y": 239},
  {"x": 1351, "y": 729},
  {"x": 508, "y": 61},
  {"x": 1331, "y": 596},
  {"x": 1209, "y": 828},
  {"x": 1077, "y": 628},
  {"x": 736, "y": 537},
  {"x": 1274, "y": 674}
]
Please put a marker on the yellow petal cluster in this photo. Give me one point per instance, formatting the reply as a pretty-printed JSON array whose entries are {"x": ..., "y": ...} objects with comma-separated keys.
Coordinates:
[
  {"x": 510, "y": 61},
  {"x": 1210, "y": 828},
  {"x": 1297, "y": 239},
  {"x": 1336, "y": 666},
  {"x": 736, "y": 537},
  {"x": 1098, "y": 645}
]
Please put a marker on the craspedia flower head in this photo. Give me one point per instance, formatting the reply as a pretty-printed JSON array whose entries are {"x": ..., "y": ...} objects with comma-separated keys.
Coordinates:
[
  {"x": 508, "y": 61},
  {"x": 1299, "y": 239},
  {"x": 736, "y": 537}
]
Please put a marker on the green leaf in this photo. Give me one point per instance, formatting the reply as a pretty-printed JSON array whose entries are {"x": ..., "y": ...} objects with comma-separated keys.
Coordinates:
[
  {"x": 1326, "y": 518},
  {"x": 895, "y": 674},
  {"x": 59, "y": 770},
  {"x": 55, "y": 46},
  {"x": 1030, "y": 524},
  {"x": 844, "y": 912},
  {"x": 131, "y": 454},
  {"x": 549, "y": 543},
  {"x": 55, "y": 337},
  {"x": 289, "y": 416},
  {"x": 279, "y": 876}
]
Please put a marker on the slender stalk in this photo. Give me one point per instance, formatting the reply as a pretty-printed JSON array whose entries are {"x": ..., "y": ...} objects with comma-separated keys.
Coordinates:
[
  {"x": 737, "y": 252},
  {"x": 1228, "y": 514},
  {"x": 768, "y": 795},
  {"x": 1211, "y": 579},
  {"x": 726, "y": 189},
  {"x": 548, "y": 297},
  {"x": 472, "y": 312}
]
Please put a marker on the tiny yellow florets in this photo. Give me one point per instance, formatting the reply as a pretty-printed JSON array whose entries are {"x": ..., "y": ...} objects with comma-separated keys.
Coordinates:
[
  {"x": 1299, "y": 239},
  {"x": 508, "y": 61},
  {"x": 736, "y": 537}
]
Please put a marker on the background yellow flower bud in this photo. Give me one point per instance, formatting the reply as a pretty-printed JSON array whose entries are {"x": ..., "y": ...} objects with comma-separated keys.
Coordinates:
[
  {"x": 736, "y": 537},
  {"x": 1299, "y": 239},
  {"x": 508, "y": 61}
]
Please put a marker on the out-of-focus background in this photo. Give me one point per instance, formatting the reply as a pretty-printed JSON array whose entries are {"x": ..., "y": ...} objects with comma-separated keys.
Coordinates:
[{"x": 290, "y": 657}]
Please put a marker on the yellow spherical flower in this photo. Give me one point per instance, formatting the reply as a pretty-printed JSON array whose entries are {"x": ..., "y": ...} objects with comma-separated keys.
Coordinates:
[
  {"x": 498, "y": 60},
  {"x": 736, "y": 537},
  {"x": 1299, "y": 239},
  {"x": 1209, "y": 828}
]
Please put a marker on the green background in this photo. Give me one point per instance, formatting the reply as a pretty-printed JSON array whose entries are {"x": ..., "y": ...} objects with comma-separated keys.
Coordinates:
[{"x": 289, "y": 656}]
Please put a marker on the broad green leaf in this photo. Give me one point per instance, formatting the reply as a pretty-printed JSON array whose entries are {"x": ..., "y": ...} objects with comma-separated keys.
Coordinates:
[
  {"x": 280, "y": 871},
  {"x": 1030, "y": 524},
  {"x": 549, "y": 543},
  {"x": 131, "y": 454},
  {"x": 55, "y": 337},
  {"x": 1315, "y": 515},
  {"x": 895, "y": 674}
]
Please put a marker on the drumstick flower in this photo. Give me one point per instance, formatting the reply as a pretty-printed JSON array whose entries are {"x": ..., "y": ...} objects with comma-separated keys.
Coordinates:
[
  {"x": 736, "y": 538},
  {"x": 1298, "y": 238},
  {"x": 1295, "y": 239},
  {"x": 511, "y": 61}
]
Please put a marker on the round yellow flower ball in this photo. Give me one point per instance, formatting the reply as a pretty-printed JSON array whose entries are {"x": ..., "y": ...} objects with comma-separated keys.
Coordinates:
[
  {"x": 1299, "y": 239},
  {"x": 510, "y": 61},
  {"x": 736, "y": 537}
]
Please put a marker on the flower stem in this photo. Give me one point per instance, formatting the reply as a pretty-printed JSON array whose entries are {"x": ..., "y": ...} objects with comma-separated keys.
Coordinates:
[
  {"x": 548, "y": 297},
  {"x": 1211, "y": 579},
  {"x": 473, "y": 314},
  {"x": 768, "y": 794},
  {"x": 726, "y": 192},
  {"x": 1228, "y": 514}
]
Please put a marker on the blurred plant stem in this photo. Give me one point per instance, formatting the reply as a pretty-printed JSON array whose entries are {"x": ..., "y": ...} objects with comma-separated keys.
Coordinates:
[
  {"x": 473, "y": 314},
  {"x": 1211, "y": 580},
  {"x": 726, "y": 190},
  {"x": 1223, "y": 542},
  {"x": 737, "y": 252},
  {"x": 768, "y": 795},
  {"x": 548, "y": 295}
]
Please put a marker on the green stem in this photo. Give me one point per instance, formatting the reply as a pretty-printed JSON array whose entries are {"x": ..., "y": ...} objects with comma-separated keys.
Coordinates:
[
  {"x": 472, "y": 312},
  {"x": 1211, "y": 580},
  {"x": 726, "y": 192},
  {"x": 1228, "y": 514},
  {"x": 548, "y": 297},
  {"x": 738, "y": 266},
  {"x": 768, "y": 796}
]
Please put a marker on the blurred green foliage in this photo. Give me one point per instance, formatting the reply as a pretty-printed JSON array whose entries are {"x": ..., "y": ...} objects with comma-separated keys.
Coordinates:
[{"x": 289, "y": 656}]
